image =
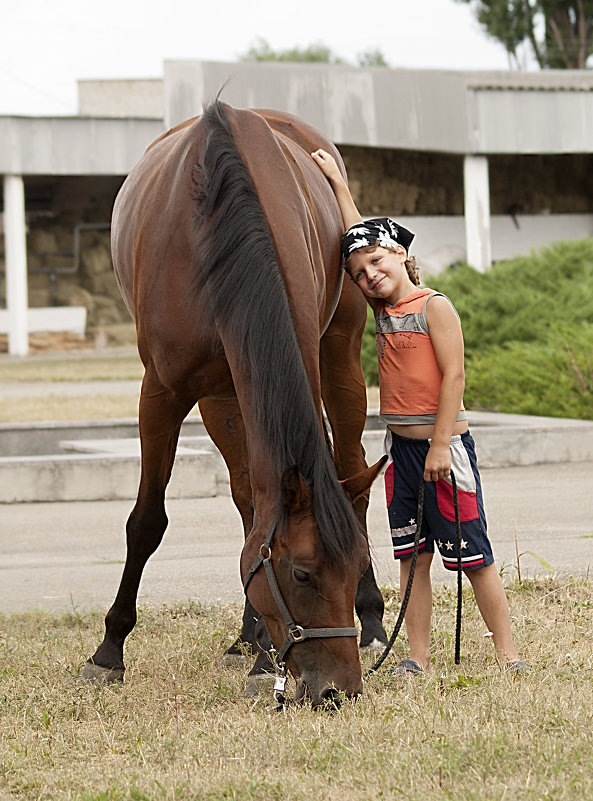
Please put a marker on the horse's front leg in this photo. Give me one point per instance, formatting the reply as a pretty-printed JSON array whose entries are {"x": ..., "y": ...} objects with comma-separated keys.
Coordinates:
[
  {"x": 160, "y": 416},
  {"x": 344, "y": 398},
  {"x": 224, "y": 423}
]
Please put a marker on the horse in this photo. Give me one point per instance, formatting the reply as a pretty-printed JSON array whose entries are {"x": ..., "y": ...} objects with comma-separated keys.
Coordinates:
[{"x": 225, "y": 245}]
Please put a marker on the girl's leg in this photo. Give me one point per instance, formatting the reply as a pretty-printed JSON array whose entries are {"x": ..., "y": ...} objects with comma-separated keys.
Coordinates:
[
  {"x": 418, "y": 613},
  {"x": 492, "y": 603}
]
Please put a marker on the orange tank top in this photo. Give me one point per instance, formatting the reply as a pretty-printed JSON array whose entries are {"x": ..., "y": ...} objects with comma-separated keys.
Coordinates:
[{"x": 409, "y": 374}]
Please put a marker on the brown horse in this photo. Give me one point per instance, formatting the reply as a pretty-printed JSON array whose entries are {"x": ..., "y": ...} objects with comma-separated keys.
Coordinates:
[{"x": 225, "y": 241}]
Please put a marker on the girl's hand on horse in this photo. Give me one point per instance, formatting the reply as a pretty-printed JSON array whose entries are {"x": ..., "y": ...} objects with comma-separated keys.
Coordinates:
[{"x": 327, "y": 164}]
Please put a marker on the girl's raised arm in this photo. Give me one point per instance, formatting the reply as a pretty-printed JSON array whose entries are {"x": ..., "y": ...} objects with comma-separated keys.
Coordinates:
[{"x": 328, "y": 165}]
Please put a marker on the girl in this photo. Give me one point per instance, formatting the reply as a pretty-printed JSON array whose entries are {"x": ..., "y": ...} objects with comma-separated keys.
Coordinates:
[{"x": 421, "y": 383}]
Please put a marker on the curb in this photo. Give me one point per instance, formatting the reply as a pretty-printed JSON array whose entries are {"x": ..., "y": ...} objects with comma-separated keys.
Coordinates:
[{"x": 99, "y": 460}]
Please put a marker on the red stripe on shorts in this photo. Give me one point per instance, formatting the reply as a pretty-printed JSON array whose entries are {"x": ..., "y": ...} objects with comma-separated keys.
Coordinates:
[
  {"x": 389, "y": 484},
  {"x": 468, "y": 502}
]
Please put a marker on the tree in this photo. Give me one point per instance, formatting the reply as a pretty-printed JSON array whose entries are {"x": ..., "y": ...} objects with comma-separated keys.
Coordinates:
[
  {"x": 372, "y": 58},
  {"x": 318, "y": 53},
  {"x": 559, "y": 32}
]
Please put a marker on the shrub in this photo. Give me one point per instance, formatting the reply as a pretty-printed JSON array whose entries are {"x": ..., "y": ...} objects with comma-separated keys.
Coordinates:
[{"x": 553, "y": 378}]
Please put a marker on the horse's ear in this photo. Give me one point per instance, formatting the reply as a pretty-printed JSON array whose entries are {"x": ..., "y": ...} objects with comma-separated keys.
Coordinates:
[
  {"x": 360, "y": 483},
  {"x": 295, "y": 495}
]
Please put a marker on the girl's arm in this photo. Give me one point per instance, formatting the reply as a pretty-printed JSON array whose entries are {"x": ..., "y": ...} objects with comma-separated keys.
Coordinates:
[
  {"x": 447, "y": 340},
  {"x": 328, "y": 165}
]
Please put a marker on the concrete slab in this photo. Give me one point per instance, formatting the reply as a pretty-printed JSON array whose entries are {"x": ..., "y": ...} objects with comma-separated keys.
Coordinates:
[
  {"x": 69, "y": 556},
  {"x": 95, "y": 476},
  {"x": 118, "y": 447},
  {"x": 53, "y": 318},
  {"x": 97, "y": 461}
]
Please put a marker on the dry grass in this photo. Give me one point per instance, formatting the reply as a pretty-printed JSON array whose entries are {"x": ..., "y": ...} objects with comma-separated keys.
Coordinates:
[
  {"x": 181, "y": 728},
  {"x": 59, "y": 368},
  {"x": 82, "y": 368},
  {"x": 57, "y": 408}
]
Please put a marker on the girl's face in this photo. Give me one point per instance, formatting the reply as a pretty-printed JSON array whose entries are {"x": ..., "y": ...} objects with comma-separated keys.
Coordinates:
[{"x": 380, "y": 273}]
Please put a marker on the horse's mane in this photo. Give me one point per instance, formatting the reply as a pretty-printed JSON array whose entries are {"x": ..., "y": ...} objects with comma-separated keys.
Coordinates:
[{"x": 242, "y": 292}]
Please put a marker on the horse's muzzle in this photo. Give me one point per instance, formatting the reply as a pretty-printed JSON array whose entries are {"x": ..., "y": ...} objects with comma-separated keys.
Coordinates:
[{"x": 327, "y": 697}]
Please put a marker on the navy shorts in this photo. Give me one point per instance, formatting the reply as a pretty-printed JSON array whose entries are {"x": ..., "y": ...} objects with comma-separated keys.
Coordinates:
[{"x": 402, "y": 482}]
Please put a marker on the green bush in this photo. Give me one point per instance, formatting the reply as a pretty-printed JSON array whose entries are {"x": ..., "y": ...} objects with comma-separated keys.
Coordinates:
[
  {"x": 518, "y": 300},
  {"x": 553, "y": 378},
  {"x": 368, "y": 354},
  {"x": 528, "y": 330}
]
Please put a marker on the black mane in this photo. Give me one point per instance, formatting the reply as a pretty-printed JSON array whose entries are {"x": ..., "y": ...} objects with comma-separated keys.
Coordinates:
[{"x": 242, "y": 293}]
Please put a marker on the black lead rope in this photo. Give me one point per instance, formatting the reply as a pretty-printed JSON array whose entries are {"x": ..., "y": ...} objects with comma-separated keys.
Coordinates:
[
  {"x": 459, "y": 573},
  {"x": 406, "y": 598},
  {"x": 408, "y": 590}
]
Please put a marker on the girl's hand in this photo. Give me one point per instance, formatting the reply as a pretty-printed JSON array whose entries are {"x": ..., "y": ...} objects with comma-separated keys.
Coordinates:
[
  {"x": 327, "y": 164},
  {"x": 438, "y": 462}
]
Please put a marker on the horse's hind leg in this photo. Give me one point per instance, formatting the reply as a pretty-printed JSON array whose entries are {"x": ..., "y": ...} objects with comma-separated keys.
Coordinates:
[{"x": 160, "y": 416}]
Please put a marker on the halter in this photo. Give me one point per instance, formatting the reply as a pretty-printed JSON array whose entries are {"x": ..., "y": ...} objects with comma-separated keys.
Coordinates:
[{"x": 296, "y": 633}]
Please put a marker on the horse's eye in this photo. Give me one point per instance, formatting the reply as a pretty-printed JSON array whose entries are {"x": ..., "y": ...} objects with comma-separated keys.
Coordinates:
[{"x": 300, "y": 575}]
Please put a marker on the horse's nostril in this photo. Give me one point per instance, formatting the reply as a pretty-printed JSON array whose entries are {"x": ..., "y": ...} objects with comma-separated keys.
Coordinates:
[{"x": 330, "y": 699}]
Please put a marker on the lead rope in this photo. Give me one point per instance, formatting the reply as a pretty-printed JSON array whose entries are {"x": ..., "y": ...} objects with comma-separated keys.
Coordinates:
[
  {"x": 408, "y": 590},
  {"x": 459, "y": 573},
  {"x": 406, "y": 598}
]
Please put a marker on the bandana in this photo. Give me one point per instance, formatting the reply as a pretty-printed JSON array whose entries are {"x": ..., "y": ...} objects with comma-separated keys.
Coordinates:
[{"x": 382, "y": 231}]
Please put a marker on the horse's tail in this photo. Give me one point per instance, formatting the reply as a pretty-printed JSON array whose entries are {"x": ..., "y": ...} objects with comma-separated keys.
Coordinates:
[{"x": 242, "y": 295}]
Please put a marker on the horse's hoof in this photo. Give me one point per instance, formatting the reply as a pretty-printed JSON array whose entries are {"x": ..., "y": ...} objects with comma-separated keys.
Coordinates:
[
  {"x": 96, "y": 674},
  {"x": 259, "y": 684},
  {"x": 232, "y": 660},
  {"x": 374, "y": 646}
]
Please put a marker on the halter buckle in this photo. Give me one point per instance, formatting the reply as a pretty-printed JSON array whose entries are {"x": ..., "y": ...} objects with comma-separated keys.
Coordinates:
[{"x": 296, "y": 633}]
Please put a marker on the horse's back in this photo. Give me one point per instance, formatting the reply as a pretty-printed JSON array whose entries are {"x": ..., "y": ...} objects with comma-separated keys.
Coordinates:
[
  {"x": 298, "y": 202},
  {"x": 154, "y": 224}
]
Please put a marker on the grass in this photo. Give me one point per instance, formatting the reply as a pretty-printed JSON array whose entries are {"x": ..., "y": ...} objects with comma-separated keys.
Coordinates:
[
  {"x": 54, "y": 370},
  {"x": 56, "y": 408},
  {"x": 181, "y": 727}
]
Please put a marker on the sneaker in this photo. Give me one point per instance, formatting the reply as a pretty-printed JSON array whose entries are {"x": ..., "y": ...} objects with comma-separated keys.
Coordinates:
[
  {"x": 516, "y": 666},
  {"x": 406, "y": 667}
]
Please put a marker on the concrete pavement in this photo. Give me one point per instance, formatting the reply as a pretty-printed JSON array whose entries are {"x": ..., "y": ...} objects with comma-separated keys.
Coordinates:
[
  {"x": 68, "y": 553},
  {"x": 98, "y": 460},
  {"x": 69, "y": 556}
]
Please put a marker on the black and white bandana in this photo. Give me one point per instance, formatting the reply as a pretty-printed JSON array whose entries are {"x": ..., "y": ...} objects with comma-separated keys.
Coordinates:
[{"x": 382, "y": 231}]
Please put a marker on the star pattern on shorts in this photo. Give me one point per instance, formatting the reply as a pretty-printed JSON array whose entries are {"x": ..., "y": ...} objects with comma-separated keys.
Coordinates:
[
  {"x": 412, "y": 521},
  {"x": 463, "y": 545},
  {"x": 449, "y": 546}
]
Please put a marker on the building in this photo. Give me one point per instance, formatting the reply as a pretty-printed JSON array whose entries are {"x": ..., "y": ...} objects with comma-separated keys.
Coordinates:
[{"x": 481, "y": 165}]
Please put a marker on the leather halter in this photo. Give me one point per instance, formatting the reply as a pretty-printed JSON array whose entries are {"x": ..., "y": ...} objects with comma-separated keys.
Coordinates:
[{"x": 296, "y": 633}]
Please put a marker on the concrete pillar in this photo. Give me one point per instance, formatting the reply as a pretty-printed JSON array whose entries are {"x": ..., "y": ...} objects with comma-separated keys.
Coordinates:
[
  {"x": 477, "y": 212},
  {"x": 15, "y": 248}
]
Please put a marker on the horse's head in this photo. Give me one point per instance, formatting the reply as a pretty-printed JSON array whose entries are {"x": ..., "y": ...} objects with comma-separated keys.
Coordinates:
[{"x": 305, "y": 591}]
